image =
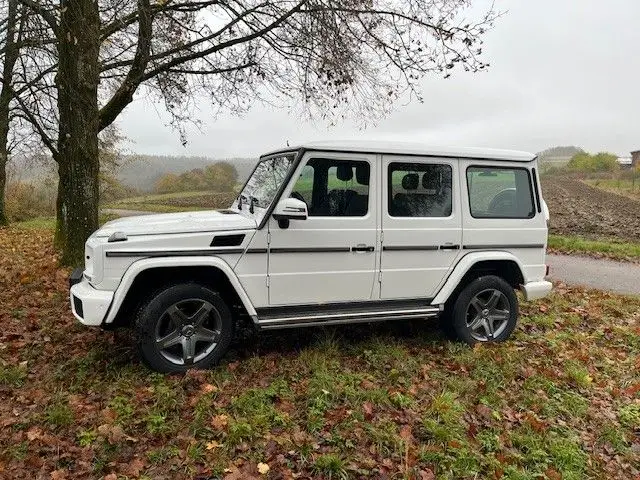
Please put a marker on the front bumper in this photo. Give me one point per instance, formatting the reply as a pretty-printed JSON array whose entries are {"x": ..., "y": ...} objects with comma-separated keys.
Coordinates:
[
  {"x": 535, "y": 290},
  {"x": 89, "y": 305}
]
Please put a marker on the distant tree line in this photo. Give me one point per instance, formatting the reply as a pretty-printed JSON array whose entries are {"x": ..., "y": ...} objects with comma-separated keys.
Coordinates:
[
  {"x": 219, "y": 177},
  {"x": 600, "y": 162}
]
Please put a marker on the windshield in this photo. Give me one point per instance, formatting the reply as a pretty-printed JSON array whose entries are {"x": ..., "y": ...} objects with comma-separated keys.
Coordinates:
[{"x": 266, "y": 180}]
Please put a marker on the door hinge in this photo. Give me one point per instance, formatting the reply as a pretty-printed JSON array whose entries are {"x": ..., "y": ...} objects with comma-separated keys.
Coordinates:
[
  {"x": 380, "y": 276},
  {"x": 381, "y": 237},
  {"x": 268, "y": 238},
  {"x": 268, "y": 280}
]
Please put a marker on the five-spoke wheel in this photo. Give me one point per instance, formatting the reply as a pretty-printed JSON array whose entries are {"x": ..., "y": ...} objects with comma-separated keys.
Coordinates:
[
  {"x": 486, "y": 310},
  {"x": 183, "y": 326}
]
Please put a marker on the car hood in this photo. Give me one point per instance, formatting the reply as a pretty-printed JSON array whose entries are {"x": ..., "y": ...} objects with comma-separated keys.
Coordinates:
[{"x": 187, "y": 222}]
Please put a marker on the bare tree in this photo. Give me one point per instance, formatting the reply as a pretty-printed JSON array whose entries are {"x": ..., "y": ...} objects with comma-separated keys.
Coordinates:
[
  {"x": 21, "y": 36},
  {"x": 333, "y": 57},
  {"x": 9, "y": 45}
]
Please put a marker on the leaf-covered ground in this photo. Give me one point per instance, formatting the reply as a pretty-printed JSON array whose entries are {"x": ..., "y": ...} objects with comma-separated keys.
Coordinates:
[{"x": 560, "y": 400}]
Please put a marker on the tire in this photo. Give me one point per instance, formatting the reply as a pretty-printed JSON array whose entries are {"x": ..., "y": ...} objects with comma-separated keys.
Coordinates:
[
  {"x": 183, "y": 326},
  {"x": 486, "y": 310}
]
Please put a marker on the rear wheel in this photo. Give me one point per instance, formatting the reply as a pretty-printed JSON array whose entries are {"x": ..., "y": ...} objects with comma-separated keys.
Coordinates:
[
  {"x": 183, "y": 326},
  {"x": 485, "y": 311}
]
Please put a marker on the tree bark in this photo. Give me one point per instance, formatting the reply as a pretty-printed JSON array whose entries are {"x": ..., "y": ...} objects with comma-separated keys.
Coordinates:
[
  {"x": 78, "y": 164},
  {"x": 10, "y": 57}
]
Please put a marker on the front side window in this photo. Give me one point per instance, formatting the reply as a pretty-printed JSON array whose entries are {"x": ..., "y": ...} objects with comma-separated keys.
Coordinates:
[
  {"x": 266, "y": 180},
  {"x": 334, "y": 188},
  {"x": 500, "y": 192},
  {"x": 420, "y": 190}
]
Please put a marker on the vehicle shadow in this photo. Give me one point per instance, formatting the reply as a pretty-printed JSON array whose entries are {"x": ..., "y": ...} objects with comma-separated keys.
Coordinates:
[{"x": 249, "y": 343}]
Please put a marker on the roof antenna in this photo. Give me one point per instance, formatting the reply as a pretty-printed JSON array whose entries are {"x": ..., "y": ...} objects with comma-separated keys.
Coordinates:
[{"x": 287, "y": 143}]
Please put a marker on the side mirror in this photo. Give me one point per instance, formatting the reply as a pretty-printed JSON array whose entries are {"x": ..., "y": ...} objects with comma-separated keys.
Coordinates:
[{"x": 290, "y": 209}]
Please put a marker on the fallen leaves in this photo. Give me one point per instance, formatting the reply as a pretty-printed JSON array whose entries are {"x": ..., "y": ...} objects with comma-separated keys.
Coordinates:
[
  {"x": 366, "y": 401},
  {"x": 219, "y": 422}
]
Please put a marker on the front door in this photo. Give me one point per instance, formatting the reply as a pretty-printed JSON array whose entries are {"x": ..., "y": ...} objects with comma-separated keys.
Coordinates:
[
  {"x": 421, "y": 225},
  {"x": 330, "y": 256}
]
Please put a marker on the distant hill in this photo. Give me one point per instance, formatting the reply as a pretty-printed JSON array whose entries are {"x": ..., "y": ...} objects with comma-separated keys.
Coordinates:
[
  {"x": 558, "y": 154},
  {"x": 143, "y": 171}
]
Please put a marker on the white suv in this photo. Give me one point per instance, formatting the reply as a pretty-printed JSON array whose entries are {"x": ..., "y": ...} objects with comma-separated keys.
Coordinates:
[{"x": 321, "y": 234}]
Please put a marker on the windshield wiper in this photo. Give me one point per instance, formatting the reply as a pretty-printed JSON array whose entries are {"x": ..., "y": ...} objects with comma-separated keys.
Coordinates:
[
  {"x": 240, "y": 198},
  {"x": 252, "y": 201}
]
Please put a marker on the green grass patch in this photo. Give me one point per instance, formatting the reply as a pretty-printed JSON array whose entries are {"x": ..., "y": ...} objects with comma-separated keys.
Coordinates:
[
  {"x": 12, "y": 375},
  {"x": 609, "y": 248}
]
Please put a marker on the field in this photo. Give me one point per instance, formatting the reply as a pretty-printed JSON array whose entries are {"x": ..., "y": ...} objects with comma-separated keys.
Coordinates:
[
  {"x": 624, "y": 186},
  {"x": 394, "y": 400},
  {"x": 176, "y": 202},
  {"x": 580, "y": 209}
]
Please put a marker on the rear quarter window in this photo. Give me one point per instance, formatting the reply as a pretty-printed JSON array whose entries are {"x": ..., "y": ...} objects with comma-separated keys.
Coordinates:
[{"x": 500, "y": 192}]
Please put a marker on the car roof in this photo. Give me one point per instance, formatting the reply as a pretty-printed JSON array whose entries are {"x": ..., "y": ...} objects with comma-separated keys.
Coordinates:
[{"x": 407, "y": 148}]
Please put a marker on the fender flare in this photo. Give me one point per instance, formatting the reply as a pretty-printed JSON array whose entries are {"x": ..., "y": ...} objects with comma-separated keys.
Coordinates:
[
  {"x": 141, "y": 265},
  {"x": 465, "y": 264}
]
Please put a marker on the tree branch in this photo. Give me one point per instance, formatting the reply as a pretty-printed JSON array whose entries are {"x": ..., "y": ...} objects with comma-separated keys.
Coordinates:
[{"x": 124, "y": 95}]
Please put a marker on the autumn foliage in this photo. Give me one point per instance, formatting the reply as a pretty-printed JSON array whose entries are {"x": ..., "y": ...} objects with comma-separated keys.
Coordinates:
[
  {"x": 219, "y": 177},
  {"x": 395, "y": 400}
]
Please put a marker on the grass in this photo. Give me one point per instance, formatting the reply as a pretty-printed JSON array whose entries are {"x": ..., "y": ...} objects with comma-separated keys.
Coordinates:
[
  {"x": 608, "y": 248},
  {"x": 153, "y": 207},
  {"x": 622, "y": 186},
  {"x": 49, "y": 223},
  {"x": 560, "y": 399}
]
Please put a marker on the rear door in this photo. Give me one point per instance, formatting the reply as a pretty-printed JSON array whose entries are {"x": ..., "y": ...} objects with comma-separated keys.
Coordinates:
[{"x": 421, "y": 225}]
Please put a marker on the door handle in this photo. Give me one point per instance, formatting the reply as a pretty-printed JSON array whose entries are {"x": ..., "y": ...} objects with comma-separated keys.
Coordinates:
[
  {"x": 449, "y": 247},
  {"x": 361, "y": 247}
]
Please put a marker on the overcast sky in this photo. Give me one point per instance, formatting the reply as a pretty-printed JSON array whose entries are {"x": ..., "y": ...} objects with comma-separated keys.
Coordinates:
[{"x": 563, "y": 72}]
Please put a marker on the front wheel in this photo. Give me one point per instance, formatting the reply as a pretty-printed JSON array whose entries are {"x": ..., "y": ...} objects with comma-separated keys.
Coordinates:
[
  {"x": 183, "y": 326},
  {"x": 485, "y": 311}
]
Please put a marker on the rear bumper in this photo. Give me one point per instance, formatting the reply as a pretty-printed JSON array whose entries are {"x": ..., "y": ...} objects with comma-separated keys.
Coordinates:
[
  {"x": 89, "y": 305},
  {"x": 535, "y": 290}
]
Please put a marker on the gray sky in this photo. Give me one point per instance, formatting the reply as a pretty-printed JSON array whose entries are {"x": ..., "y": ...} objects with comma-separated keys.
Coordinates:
[{"x": 563, "y": 72}]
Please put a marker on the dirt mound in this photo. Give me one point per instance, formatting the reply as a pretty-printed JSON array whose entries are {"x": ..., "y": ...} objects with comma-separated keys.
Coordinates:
[{"x": 579, "y": 209}]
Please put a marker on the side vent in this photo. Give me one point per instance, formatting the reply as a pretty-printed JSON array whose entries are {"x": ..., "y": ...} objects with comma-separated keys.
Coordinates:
[{"x": 227, "y": 240}]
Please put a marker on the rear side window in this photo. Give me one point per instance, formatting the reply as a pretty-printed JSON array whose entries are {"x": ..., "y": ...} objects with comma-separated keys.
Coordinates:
[
  {"x": 419, "y": 190},
  {"x": 500, "y": 192}
]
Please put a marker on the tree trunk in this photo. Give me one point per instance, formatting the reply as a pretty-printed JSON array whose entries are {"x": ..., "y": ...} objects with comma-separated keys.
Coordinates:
[
  {"x": 10, "y": 57},
  {"x": 78, "y": 165}
]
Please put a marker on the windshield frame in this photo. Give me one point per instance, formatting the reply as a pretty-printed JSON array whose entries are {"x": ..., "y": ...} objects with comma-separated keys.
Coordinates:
[{"x": 297, "y": 155}]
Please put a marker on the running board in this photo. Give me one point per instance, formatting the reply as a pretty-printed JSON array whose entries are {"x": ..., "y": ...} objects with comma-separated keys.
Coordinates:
[{"x": 317, "y": 319}]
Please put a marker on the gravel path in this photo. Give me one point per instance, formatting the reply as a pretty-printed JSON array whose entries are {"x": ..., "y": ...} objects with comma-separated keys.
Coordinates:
[{"x": 602, "y": 274}]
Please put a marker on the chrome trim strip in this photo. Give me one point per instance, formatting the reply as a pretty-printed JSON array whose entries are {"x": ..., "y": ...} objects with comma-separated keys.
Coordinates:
[
  {"x": 346, "y": 320},
  {"x": 374, "y": 313},
  {"x": 406, "y": 248},
  {"x": 489, "y": 247},
  {"x": 309, "y": 249},
  {"x": 173, "y": 253}
]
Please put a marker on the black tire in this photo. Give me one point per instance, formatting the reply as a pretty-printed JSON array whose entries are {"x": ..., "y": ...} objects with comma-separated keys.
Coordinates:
[
  {"x": 474, "y": 316},
  {"x": 183, "y": 326}
]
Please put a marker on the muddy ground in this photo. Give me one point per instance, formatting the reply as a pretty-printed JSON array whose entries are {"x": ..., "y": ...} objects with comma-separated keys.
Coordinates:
[{"x": 579, "y": 209}]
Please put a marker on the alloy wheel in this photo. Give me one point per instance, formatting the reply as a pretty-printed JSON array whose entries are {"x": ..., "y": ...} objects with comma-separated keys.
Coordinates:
[
  {"x": 488, "y": 315},
  {"x": 188, "y": 331}
]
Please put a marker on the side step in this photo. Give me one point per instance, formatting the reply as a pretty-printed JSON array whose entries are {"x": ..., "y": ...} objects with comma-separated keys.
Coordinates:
[{"x": 287, "y": 317}]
